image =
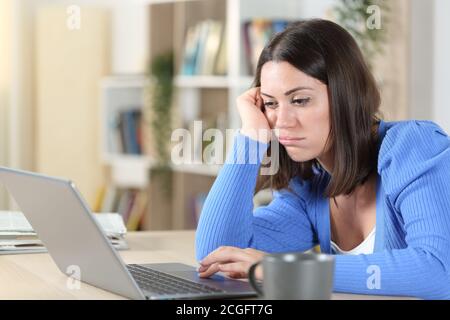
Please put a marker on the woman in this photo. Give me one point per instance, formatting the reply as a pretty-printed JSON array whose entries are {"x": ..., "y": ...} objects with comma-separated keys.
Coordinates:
[{"x": 375, "y": 193}]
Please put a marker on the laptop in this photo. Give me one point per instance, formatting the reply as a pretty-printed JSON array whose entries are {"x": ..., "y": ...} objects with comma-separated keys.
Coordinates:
[{"x": 59, "y": 214}]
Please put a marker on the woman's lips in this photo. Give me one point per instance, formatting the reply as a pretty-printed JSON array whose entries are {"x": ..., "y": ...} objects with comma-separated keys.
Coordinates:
[{"x": 289, "y": 140}]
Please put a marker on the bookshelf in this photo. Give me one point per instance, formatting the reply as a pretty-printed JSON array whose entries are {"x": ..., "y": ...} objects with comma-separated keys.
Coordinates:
[
  {"x": 205, "y": 89},
  {"x": 121, "y": 95}
]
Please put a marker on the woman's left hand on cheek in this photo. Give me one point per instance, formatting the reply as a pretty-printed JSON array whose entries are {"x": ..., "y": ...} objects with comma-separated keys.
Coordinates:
[{"x": 234, "y": 262}]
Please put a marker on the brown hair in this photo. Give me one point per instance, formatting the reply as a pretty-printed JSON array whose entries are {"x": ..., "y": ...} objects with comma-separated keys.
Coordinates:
[{"x": 328, "y": 53}]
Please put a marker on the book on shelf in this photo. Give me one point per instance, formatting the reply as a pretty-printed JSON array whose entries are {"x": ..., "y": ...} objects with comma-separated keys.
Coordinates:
[
  {"x": 130, "y": 197},
  {"x": 220, "y": 65},
  {"x": 130, "y": 204},
  {"x": 201, "y": 45},
  {"x": 18, "y": 236},
  {"x": 204, "y": 49},
  {"x": 109, "y": 201},
  {"x": 113, "y": 134},
  {"x": 100, "y": 194},
  {"x": 190, "y": 50},
  {"x": 123, "y": 204},
  {"x": 137, "y": 211},
  {"x": 125, "y": 132},
  {"x": 256, "y": 34},
  {"x": 211, "y": 47}
]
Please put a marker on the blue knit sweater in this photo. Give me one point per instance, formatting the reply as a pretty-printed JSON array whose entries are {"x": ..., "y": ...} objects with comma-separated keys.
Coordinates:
[{"x": 412, "y": 242}]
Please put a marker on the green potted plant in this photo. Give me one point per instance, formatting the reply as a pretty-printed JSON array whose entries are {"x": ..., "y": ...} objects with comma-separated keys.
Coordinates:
[{"x": 159, "y": 119}]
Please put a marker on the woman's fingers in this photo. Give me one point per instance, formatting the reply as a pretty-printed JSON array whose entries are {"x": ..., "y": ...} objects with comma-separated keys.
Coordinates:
[
  {"x": 231, "y": 270},
  {"x": 212, "y": 269},
  {"x": 234, "y": 271},
  {"x": 202, "y": 269},
  {"x": 252, "y": 93},
  {"x": 234, "y": 262},
  {"x": 239, "y": 270},
  {"x": 239, "y": 267},
  {"x": 225, "y": 255},
  {"x": 219, "y": 268},
  {"x": 236, "y": 275},
  {"x": 259, "y": 100}
]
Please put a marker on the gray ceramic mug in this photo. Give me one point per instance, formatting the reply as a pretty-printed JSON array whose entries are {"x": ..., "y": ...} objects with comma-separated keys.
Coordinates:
[{"x": 295, "y": 276}]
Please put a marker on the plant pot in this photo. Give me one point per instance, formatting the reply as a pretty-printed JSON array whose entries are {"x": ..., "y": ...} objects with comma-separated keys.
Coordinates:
[{"x": 159, "y": 212}]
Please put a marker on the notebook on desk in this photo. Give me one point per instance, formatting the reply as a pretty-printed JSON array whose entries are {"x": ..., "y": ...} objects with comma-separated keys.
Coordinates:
[{"x": 17, "y": 235}]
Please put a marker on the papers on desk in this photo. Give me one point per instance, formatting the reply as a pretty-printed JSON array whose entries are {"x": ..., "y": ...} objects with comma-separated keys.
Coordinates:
[{"x": 18, "y": 236}]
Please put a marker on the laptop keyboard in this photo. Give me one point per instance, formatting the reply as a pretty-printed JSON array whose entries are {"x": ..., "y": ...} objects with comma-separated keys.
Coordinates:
[{"x": 166, "y": 284}]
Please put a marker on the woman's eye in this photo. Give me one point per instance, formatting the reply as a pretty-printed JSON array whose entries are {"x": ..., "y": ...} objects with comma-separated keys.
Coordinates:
[
  {"x": 300, "y": 102},
  {"x": 269, "y": 104}
]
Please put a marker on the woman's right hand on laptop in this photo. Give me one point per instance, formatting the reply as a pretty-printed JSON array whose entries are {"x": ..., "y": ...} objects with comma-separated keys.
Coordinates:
[{"x": 233, "y": 262}]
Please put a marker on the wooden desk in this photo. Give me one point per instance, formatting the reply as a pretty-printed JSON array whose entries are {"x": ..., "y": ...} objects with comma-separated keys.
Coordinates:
[{"x": 35, "y": 276}]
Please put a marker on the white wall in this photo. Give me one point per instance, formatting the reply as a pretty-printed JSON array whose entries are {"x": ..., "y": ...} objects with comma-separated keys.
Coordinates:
[
  {"x": 441, "y": 93},
  {"x": 127, "y": 58},
  {"x": 421, "y": 69},
  {"x": 293, "y": 9},
  {"x": 5, "y": 86},
  {"x": 430, "y": 61},
  {"x": 17, "y": 65},
  {"x": 130, "y": 38}
]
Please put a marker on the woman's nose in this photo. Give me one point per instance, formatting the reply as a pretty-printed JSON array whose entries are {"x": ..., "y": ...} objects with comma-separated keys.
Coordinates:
[{"x": 286, "y": 117}]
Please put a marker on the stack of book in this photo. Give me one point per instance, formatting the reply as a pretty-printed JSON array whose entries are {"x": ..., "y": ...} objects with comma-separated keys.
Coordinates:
[
  {"x": 18, "y": 236},
  {"x": 205, "y": 49},
  {"x": 256, "y": 34}
]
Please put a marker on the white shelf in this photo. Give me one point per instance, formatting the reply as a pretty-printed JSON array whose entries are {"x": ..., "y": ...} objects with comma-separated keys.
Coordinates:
[
  {"x": 151, "y": 2},
  {"x": 201, "y": 82},
  {"x": 211, "y": 81},
  {"x": 129, "y": 171},
  {"x": 245, "y": 81},
  {"x": 146, "y": 163},
  {"x": 118, "y": 159}
]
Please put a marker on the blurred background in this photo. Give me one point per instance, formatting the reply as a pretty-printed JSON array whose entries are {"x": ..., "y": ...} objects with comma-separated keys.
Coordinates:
[{"x": 92, "y": 90}]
